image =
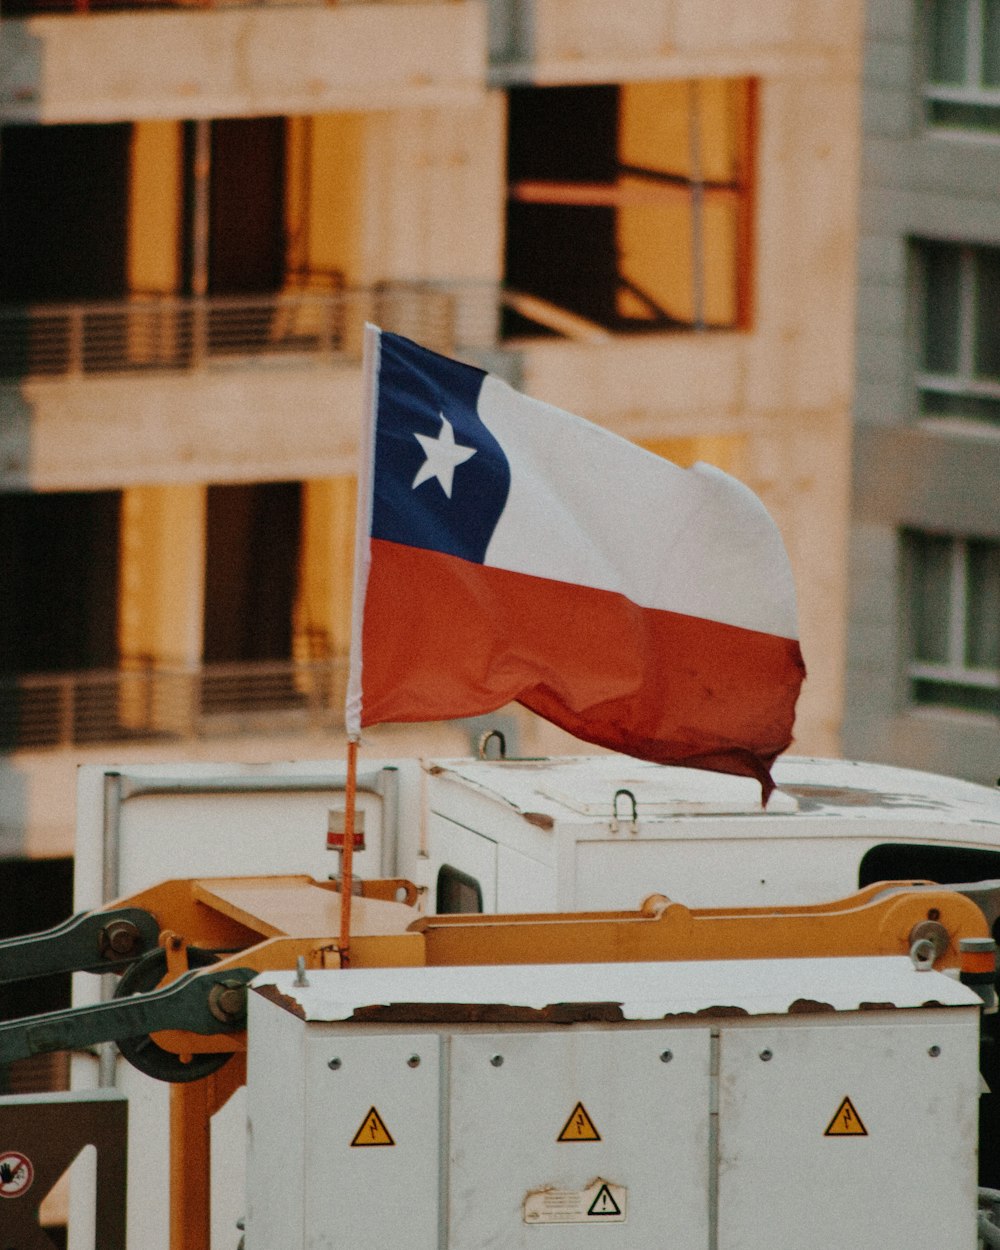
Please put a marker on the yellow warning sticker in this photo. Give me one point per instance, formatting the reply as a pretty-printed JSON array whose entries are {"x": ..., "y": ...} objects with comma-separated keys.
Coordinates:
[
  {"x": 579, "y": 1126},
  {"x": 373, "y": 1131},
  {"x": 846, "y": 1122}
]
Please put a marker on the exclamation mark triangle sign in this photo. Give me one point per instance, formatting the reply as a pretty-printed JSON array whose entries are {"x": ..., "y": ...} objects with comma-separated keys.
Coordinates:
[
  {"x": 604, "y": 1203},
  {"x": 579, "y": 1126},
  {"x": 373, "y": 1131}
]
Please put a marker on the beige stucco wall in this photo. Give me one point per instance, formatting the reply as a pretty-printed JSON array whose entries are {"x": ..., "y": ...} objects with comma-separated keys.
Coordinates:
[{"x": 241, "y": 61}]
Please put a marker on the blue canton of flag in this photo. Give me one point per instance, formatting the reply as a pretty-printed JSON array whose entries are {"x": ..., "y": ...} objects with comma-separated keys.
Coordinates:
[{"x": 441, "y": 478}]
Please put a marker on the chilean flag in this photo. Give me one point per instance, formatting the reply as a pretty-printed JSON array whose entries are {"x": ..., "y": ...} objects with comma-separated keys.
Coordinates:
[{"x": 509, "y": 551}]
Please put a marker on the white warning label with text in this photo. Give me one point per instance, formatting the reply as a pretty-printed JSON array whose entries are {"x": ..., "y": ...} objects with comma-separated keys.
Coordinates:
[{"x": 601, "y": 1202}]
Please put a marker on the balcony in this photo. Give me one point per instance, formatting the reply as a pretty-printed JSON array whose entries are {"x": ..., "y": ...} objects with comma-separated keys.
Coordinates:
[
  {"x": 165, "y": 705},
  {"x": 166, "y": 334},
  {"x": 160, "y": 334},
  {"x": 108, "y": 395}
]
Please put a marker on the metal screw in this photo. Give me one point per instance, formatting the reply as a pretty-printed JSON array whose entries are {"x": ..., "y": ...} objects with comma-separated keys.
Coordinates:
[
  {"x": 497, "y": 1061},
  {"x": 934, "y": 1051},
  {"x": 227, "y": 1001},
  {"x": 767, "y": 1055},
  {"x": 120, "y": 937},
  {"x": 666, "y": 1056},
  {"x": 334, "y": 1064},
  {"x": 413, "y": 1061}
]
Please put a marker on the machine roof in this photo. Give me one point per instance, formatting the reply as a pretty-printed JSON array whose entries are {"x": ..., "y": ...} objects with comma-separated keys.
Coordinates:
[{"x": 568, "y": 993}]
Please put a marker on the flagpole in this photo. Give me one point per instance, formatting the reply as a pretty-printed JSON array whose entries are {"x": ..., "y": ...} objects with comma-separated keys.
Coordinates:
[
  {"x": 347, "y": 855},
  {"x": 362, "y": 562}
]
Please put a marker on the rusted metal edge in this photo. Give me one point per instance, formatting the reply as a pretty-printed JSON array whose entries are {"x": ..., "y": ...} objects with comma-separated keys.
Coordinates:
[{"x": 286, "y": 1001}]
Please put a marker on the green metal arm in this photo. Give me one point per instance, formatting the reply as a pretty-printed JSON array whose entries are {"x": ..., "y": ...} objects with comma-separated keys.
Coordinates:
[
  {"x": 98, "y": 941},
  {"x": 201, "y": 1001}
]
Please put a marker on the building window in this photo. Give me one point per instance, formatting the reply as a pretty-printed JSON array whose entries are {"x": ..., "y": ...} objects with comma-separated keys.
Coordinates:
[
  {"x": 630, "y": 206},
  {"x": 954, "y": 621},
  {"x": 959, "y": 315},
  {"x": 962, "y": 80}
]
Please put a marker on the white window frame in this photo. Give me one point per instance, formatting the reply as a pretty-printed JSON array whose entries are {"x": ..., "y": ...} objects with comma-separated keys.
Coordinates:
[
  {"x": 971, "y": 90},
  {"x": 962, "y": 382},
  {"x": 954, "y": 670}
]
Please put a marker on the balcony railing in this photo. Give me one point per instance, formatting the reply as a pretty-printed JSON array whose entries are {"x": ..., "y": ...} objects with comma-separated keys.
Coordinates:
[
  {"x": 170, "y": 704},
  {"x": 167, "y": 333}
]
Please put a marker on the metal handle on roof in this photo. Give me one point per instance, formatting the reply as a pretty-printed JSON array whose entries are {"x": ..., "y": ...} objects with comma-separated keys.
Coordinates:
[
  {"x": 484, "y": 741},
  {"x": 614, "y": 808}
]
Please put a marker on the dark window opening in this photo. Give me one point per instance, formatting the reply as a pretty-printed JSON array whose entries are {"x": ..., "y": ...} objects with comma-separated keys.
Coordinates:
[
  {"x": 457, "y": 893},
  {"x": 63, "y": 220},
  {"x": 59, "y": 581},
  {"x": 251, "y": 571},
  {"x": 911, "y": 861},
  {"x": 63, "y": 213},
  {"x": 245, "y": 198},
  {"x": 629, "y": 206},
  {"x": 251, "y": 580}
]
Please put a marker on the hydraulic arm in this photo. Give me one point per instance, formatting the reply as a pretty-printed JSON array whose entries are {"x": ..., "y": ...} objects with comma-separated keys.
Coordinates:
[{"x": 186, "y": 950}]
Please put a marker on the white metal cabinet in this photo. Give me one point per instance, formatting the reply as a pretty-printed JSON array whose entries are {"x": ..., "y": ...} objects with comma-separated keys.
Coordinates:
[
  {"x": 846, "y": 1133},
  {"x": 614, "y": 1107},
  {"x": 361, "y": 1159},
  {"x": 541, "y": 1121}
]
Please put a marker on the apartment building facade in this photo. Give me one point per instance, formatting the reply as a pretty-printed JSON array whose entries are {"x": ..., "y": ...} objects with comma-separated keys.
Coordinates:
[
  {"x": 923, "y": 685},
  {"x": 642, "y": 213}
]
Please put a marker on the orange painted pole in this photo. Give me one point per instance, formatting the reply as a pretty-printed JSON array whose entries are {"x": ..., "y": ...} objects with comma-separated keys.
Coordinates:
[
  {"x": 347, "y": 860},
  {"x": 191, "y": 1109},
  {"x": 190, "y": 1166}
]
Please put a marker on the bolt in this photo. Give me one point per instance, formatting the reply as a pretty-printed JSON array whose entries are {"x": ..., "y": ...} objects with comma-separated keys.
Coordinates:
[
  {"x": 413, "y": 1061},
  {"x": 334, "y": 1065},
  {"x": 666, "y": 1056},
  {"x": 497, "y": 1061},
  {"x": 934, "y": 1051},
  {"x": 227, "y": 1001},
  {"x": 117, "y": 939},
  {"x": 767, "y": 1055}
]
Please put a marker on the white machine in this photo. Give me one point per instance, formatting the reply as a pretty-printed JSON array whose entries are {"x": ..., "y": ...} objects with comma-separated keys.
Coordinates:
[{"x": 499, "y": 835}]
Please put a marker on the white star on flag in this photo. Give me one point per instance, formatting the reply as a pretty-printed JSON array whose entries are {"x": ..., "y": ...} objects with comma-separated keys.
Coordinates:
[{"x": 443, "y": 454}]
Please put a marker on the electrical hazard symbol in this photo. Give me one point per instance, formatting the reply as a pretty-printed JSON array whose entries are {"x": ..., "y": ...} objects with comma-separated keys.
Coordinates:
[
  {"x": 579, "y": 1126},
  {"x": 604, "y": 1203},
  {"x": 373, "y": 1131},
  {"x": 846, "y": 1122}
]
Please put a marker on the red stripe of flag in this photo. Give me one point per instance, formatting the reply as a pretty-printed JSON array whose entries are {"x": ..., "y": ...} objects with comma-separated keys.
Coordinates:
[{"x": 445, "y": 638}]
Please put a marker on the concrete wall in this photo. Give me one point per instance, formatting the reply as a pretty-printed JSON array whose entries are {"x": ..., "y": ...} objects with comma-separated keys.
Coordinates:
[
  {"x": 910, "y": 473},
  {"x": 241, "y": 62}
]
